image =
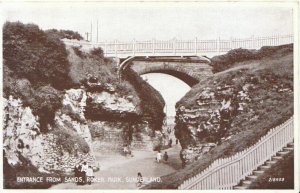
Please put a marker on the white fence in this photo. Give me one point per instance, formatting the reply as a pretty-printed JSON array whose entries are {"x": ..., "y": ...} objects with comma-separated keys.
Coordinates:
[
  {"x": 182, "y": 47},
  {"x": 227, "y": 173}
]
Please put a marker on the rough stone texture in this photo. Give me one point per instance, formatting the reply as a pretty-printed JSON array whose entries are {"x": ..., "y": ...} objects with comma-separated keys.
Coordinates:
[
  {"x": 106, "y": 136},
  {"x": 110, "y": 138},
  {"x": 82, "y": 129},
  {"x": 112, "y": 102},
  {"x": 21, "y": 134},
  {"x": 55, "y": 158},
  {"x": 185, "y": 70},
  {"x": 74, "y": 102},
  {"x": 199, "y": 129},
  {"x": 191, "y": 153},
  {"x": 218, "y": 112}
]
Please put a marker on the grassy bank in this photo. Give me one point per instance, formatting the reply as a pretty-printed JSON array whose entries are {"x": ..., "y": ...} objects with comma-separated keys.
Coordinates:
[
  {"x": 280, "y": 176},
  {"x": 152, "y": 103}
]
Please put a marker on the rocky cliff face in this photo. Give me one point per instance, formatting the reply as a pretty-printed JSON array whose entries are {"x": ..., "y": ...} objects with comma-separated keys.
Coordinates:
[
  {"x": 207, "y": 124},
  {"x": 73, "y": 137},
  {"x": 22, "y": 136},
  {"x": 113, "y": 121},
  {"x": 110, "y": 137},
  {"x": 231, "y": 102},
  {"x": 21, "y": 132}
]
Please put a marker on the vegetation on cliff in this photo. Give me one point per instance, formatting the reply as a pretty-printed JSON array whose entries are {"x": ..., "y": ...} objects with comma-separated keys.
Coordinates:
[
  {"x": 30, "y": 53},
  {"x": 152, "y": 103},
  {"x": 104, "y": 71},
  {"x": 61, "y": 34},
  {"x": 40, "y": 69},
  {"x": 93, "y": 64},
  {"x": 35, "y": 69},
  {"x": 269, "y": 83},
  {"x": 236, "y": 56}
]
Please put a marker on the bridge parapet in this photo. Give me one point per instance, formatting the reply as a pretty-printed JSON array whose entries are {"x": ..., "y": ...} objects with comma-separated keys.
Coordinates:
[{"x": 181, "y": 47}]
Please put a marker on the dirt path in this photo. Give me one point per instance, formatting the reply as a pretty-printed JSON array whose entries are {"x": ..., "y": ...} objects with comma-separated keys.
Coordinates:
[{"x": 122, "y": 168}]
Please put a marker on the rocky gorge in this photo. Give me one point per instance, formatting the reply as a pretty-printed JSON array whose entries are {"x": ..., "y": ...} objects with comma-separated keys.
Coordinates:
[
  {"x": 48, "y": 151},
  {"x": 58, "y": 118}
]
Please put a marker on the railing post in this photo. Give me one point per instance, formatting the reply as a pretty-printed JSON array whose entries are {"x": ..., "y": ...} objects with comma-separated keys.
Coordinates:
[
  {"x": 174, "y": 48},
  {"x": 105, "y": 47},
  {"x": 231, "y": 43},
  {"x": 252, "y": 42},
  {"x": 153, "y": 47},
  {"x": 133, "y": 47},
  {"x": 218, "y": 45},
  {"x": 196, "y": 46},
  {"x": 116, "y": 51}
]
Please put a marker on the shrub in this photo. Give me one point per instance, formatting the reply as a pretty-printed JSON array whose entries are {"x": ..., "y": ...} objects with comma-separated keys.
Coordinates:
[
  {"x": 67, "y": 139},
  {"x": 227, "y": 60},
  {"x": 61, "y": 34},
  {"x": 78, "y": 52},
  {"x": 152, "y": 103},
  {"x": 20, "y": 88},
  {"x": 35, "y": 67},
  {"x": 45, "y": 102},
  {"x": 98, "y": 52},
  {"x": 30, "y": 53},
  {"x": 103, "y": 69}
]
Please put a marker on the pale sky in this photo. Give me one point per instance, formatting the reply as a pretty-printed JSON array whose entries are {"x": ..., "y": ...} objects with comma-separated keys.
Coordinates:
[
  {"x": 172, "y": 89},
  {"x": 163, "y": 21}
]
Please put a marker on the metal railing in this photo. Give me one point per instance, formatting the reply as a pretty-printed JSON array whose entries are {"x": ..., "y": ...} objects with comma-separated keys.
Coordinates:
[{"x": 182, "y": 47}]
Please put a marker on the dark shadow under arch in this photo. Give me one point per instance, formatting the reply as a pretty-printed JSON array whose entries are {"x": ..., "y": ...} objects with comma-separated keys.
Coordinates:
[{"x": 189, "y": 80}]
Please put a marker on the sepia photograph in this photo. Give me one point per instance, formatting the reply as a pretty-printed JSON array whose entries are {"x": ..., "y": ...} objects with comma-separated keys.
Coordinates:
[{"x": 149, "y": 95}]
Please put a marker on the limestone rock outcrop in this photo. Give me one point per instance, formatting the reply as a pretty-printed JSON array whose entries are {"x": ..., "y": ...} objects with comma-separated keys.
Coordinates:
[
  {"x": 22, "y": 136},
  {"x": 208, "y": 123},
  {"x": 111, "y": 137},
  {"x": 20, "y": 132},
  {"x": 52, "y": 150},
  {"x": 227, "y": 105}
]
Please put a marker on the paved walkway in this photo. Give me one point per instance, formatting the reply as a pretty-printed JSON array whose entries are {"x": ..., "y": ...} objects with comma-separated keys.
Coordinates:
[{"x": 117, "y": 167}]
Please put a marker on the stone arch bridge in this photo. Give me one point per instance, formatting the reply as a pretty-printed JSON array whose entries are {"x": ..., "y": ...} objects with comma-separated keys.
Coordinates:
[{"x": 189, "y": 69}]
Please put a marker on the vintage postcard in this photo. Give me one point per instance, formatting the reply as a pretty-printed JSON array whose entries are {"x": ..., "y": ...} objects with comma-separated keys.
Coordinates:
[{"x": 150, "y": 95}]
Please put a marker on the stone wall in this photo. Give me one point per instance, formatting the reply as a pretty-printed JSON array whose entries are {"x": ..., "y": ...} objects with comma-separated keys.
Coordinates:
[
  {"x": 55, "y": 158},
  {"x": 110, "y": 138},
  {"x": 189, "y": 70}
]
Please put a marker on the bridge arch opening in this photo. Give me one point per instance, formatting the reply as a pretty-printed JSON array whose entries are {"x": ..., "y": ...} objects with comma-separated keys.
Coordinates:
[
  {"x": 171, "y": 88},
  {"x": 184, "y": 77}
]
